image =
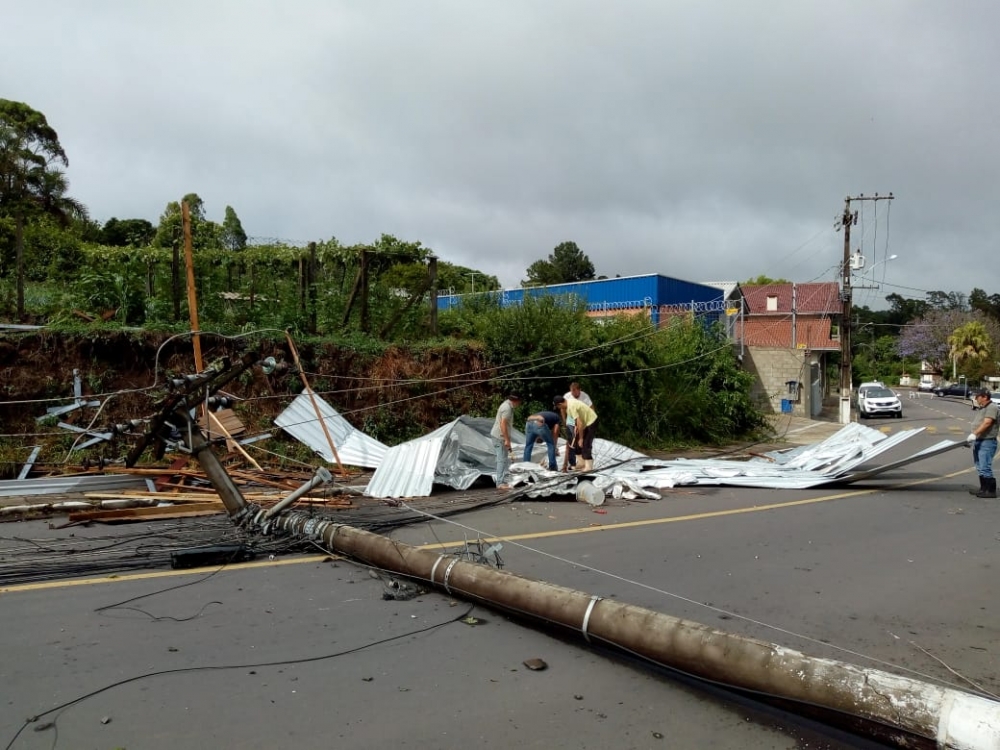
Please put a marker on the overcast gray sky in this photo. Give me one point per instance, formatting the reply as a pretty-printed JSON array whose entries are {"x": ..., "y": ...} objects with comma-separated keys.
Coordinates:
[{"x": 701, "y": 140}]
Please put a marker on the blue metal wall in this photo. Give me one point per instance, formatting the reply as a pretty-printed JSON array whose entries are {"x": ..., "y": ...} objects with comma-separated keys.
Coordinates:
[{"x": 651, "y": 290}]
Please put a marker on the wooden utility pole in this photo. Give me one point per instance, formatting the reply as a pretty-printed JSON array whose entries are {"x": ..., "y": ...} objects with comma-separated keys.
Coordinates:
[
  {"x": 313, "y": 292},
  {"x": 191, "y": 294},
  {"x": 847, "y": 220},
  {"x": 364, "y": 290},
  {"x": 432, "y": 275}
]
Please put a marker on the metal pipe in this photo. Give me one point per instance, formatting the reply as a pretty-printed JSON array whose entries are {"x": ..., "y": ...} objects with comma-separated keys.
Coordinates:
[
  {"x": 322, "y": 477},
  {"x": 896, "y": 709}
]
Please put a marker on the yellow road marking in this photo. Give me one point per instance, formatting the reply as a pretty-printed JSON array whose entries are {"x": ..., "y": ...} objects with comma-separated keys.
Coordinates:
[
  {"x": 119, "y": 578},
  {"x": 448, "y": 545}
]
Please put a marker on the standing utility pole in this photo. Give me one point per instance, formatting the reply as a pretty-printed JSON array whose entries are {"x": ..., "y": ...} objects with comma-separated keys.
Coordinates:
[
  {"x": 432, "y": 274},
  {"x": 847, "y": 220},
  {"x": 191, "y": 292}
]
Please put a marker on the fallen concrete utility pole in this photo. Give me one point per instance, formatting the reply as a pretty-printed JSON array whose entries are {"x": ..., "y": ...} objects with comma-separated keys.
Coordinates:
[
  {"x": 898, "y": 710},
  {"x": 902, "y": 709}
]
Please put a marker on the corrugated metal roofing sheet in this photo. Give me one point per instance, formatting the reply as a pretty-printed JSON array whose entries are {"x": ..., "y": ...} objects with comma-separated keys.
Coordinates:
[
  {"x": 407, "y": 470},
  {"x": 832, "y": 460},
  {"x": 354, "y": 447},
  {"x": 455, "y": 455},
  {"x": 460, "y": 452},
  {"x": 69, "y": 483}
]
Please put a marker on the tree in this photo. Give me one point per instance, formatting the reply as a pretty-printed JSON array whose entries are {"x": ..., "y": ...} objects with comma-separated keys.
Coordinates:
[
  {"x": 455, "y": 279},
  {"x": 927, "y": 337},
  {"x": 763, "y": 280},
  {"x": 565, "y": 264},
  {"x": 903, "y": 310},
  {"x": 233, "y": 237},
  {"x": 970, "y": 341},
  {"x": 947, "y": 300},
  {"x": 31, "y": 182},
  {"x": 987, "y": 304},
  {"x": 127, "y": 232}
]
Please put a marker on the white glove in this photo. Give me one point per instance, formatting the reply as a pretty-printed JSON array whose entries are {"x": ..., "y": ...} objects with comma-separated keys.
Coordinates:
[{"x": 971, "y": 438}]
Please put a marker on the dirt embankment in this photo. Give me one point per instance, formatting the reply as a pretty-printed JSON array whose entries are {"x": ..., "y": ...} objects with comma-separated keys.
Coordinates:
[{"x": 393, "y": 395}]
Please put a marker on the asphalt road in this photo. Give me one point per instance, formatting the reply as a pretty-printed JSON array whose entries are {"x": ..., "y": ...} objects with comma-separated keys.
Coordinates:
[{"x": 898, "y": 573}]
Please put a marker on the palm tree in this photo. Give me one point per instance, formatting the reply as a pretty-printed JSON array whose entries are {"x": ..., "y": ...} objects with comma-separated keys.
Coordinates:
[
  {"x": 45, "y": 193},
  {"x": 970, "y": 341},
  {"x": 31, "y": 182}
]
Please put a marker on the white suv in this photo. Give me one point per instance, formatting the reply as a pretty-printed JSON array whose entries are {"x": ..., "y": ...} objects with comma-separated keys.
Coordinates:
[{"x": 875, "y": 400}]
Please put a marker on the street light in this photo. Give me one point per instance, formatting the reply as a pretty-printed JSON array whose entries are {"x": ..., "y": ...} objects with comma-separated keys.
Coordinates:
[{"x": 858, "y": 264}]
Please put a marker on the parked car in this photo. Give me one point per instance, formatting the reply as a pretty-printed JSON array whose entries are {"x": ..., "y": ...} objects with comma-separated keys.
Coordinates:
[
  {"x": 994, "y": 396},
  {"x": 870, "y": 383},
  {"x": 962, "y": 390},
  {"x": 862, "y": 389},
  {"x": 875, "y": 401},
  {"x": 926, "y": 386}
]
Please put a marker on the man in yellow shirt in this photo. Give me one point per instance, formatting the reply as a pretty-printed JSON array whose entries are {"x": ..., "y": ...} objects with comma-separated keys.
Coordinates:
[{"x": 585, "y": 429}]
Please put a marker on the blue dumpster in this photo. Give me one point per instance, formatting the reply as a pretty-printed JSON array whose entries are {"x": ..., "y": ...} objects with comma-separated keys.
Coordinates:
[{"x": 786, "y": 406}]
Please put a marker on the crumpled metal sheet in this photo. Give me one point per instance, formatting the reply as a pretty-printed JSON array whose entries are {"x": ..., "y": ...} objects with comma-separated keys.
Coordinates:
[
  {"x": 840, "y": 458},
  {"x": 835, "y": 459},
  {"x": 455, "y": 455},
  {"x": 460, "y": 452},
  {"x": 354, "y": 447}
]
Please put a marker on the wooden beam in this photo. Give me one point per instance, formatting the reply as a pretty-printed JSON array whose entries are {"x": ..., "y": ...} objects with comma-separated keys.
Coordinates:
[
  {"x": 119, "y": 515},
  {"x": 312, "y": 399}
]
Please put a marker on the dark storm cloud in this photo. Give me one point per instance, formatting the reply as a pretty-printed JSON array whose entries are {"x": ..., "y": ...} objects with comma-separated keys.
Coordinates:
[{"x": 701, "y": 140}]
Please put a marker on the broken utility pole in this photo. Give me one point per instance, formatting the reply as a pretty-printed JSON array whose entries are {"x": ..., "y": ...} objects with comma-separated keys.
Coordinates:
[{"x": 898, "y": 710}]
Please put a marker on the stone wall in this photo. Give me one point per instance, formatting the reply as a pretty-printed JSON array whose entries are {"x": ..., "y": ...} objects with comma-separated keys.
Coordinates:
[{"x": 773, "y": 368}]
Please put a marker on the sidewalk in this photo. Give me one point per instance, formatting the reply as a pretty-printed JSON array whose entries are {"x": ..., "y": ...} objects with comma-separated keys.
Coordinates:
[{"x": 795, "y": 430}]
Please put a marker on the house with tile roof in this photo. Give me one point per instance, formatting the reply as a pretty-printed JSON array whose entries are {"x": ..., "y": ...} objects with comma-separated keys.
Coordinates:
[{"x": 788, "y": 333}]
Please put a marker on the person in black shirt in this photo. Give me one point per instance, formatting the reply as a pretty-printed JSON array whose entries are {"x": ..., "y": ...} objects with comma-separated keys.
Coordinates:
[{"x": 542, "y": 425}]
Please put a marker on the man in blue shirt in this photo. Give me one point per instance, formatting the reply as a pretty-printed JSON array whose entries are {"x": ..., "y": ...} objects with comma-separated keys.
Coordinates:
[{"x": 543, "y": 425}]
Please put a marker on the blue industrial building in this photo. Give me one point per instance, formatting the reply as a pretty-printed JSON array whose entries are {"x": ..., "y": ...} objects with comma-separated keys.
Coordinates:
[{"x": 659, "y": 295}]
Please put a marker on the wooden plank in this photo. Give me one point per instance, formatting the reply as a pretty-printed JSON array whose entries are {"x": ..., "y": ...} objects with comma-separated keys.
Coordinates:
[
  {"x": 227, "y": 418},
  {"x": 285, "y": 484},
  {"x": 178, "y": 463},
  {"x": 138, "y": 514},
  {"x": 179, "y": 486},
  {"x": 259, "y": 498}
]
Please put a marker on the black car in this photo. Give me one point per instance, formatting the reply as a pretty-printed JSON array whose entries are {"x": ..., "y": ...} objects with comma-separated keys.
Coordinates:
[{"x": 962, "y": 390}]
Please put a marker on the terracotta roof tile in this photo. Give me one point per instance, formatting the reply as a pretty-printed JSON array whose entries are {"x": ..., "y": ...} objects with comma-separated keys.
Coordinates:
[
  {"x": 810, "y": 332},
  {"x": 813, "y": 297}
]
